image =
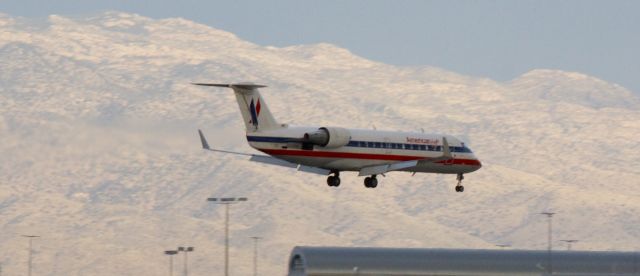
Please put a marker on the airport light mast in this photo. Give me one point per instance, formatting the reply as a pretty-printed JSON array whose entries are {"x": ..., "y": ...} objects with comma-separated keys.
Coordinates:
[
  {"x": 226, "y": 201},
  {"x": 30, "y": 237},
  {"x": 549, "y": 245},
  {"x": 186, "y": 251},
  {"x": 255, "y": 255},
  {"x": 170, "y": 253}
]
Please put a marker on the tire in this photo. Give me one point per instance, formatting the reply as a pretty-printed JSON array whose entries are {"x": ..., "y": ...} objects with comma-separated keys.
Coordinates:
[
  {"x": 373, "y": 183},
  {"x": 330, "y": 181}
]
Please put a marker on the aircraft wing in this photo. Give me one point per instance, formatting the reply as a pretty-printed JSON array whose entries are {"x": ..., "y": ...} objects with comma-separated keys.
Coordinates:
[
  {"x": 265, "y": 158},
  {"x": 272, "y": 161},
  {"x": 380, "y": 169}
]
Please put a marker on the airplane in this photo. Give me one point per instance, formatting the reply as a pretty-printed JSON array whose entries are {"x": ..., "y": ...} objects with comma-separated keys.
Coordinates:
[{"x": 331, "y": 150}]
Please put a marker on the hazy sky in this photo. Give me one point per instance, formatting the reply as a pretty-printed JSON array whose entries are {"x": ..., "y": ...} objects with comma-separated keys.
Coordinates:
[{"x": 495, "y": 39}]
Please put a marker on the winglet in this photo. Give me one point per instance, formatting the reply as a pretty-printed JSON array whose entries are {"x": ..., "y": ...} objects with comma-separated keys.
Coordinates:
[
  {"x": 203, "y": 140},
  {"x": 446, "y": 152}
]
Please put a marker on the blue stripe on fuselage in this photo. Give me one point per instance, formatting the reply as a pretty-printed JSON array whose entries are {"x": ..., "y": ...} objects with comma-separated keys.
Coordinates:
[{"x": 267, "y": 139}]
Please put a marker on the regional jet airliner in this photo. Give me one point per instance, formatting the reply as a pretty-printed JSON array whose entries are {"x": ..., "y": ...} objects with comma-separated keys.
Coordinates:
[{"x": 330, "y": 150}]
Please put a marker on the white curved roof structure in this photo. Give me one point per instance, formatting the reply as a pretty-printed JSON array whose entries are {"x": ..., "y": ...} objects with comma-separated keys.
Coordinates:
[{"x": 335, "y": 261}]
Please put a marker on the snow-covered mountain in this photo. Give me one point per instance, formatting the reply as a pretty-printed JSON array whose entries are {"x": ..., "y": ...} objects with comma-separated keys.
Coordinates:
[{"x": 99, "y": 152}]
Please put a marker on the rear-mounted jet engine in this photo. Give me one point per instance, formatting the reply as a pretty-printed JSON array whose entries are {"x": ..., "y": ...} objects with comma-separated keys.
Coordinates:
[{"x": 329, "y": 137}]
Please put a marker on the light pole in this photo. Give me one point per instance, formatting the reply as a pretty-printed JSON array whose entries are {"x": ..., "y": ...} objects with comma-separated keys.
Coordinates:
[
  {"x": 186, "y": 251},
  {"x": 549, "y": 235},
  {"x": 226, "y": 201},
  {"x": 30, "y": 237},
  {"x": 170, "y": 253},
  {"x": 569, "y": 242},
  {"x": 255, "y": 255}
]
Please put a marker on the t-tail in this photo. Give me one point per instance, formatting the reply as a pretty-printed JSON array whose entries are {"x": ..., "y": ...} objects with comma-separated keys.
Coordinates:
[{"x": 255, "y": 112}]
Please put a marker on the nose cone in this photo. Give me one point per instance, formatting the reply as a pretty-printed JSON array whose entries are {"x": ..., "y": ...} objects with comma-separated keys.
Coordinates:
[{"x": 476, "y": 165}]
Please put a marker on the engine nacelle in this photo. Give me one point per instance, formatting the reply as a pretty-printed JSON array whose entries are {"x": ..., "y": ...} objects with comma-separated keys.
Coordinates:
[{"x": 329, "y": 137}]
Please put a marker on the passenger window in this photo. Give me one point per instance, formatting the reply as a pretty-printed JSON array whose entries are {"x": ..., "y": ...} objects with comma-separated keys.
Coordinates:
[
  {"x": 384, "y": 145},
  {"x": 423, "y": 147},
  {"x": 407, "y": 146},
  {"x": 363, "y": 144},
  {"x": 370, "y": 144},
  {"x": 415, "y": 147},
  {"x": 378, "y": 145}
]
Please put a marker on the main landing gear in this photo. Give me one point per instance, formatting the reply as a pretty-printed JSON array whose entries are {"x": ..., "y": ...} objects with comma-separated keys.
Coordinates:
[
  {"x": 334, "y": 180},
  {"x": 459, "y": 187},
  {"x": 371, "y": 182}
]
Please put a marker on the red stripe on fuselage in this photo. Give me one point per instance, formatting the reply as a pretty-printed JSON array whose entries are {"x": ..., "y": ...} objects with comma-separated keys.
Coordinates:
[{"x": 370, "y": 156}]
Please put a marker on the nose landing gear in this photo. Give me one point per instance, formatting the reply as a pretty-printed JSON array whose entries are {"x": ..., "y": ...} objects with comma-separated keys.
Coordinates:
[
  {"x": 371, "y": 182},
  {"x": 334, "y": 180},
  {"x": 459, "y": 187}
]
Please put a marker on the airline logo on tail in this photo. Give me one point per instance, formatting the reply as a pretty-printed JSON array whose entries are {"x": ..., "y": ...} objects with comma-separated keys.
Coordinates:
[{"x": 255, "y": 112}]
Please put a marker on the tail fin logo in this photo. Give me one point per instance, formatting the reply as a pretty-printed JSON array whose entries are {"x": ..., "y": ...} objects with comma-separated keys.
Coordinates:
[{"x": 255, "y": 112}]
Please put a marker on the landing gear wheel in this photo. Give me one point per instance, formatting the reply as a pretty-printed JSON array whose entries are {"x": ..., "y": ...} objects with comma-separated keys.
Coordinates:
[
  {"x": 371, "y": 182},
  {"x": 459, "y": 187},
  {"x": 374, "y": 182},
  {"x": 334, "y": 180}
]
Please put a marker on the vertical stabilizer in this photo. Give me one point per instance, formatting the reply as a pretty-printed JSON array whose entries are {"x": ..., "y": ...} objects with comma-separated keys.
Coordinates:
[{"x": 254, "y": 109}]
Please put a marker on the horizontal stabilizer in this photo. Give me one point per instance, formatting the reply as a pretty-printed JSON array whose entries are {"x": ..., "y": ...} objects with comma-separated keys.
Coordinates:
[{"x": 380, "y": 169}]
